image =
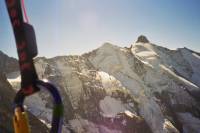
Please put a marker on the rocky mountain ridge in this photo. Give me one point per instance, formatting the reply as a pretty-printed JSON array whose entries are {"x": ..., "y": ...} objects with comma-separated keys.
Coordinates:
[{"x": 144, "y": 88}]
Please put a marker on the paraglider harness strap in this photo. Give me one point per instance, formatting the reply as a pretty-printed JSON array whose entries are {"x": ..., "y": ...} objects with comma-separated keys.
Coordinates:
[{"x": 30, "y": 84}]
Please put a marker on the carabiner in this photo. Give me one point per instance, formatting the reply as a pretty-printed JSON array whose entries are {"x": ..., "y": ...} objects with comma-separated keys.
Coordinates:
[
  {"x": 58, "y": 109},
  {"x": 20, "y": 119}
]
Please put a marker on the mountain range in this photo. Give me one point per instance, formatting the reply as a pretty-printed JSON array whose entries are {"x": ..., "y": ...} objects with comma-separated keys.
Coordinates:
[{"x": 144, "y": 88}]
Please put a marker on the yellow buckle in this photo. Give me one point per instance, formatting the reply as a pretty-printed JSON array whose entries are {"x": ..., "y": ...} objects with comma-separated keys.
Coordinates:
[{"x": 20, "y": 121}]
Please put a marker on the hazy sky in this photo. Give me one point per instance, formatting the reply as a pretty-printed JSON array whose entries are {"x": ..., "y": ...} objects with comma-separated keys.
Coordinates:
[{"x": 66, "y": 27}]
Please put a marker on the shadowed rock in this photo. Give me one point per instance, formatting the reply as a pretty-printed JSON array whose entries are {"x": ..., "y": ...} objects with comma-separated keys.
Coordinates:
[{"x": 142, "y": 39}]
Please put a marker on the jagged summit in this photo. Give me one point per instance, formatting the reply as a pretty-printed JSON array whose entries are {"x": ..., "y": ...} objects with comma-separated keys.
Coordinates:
[{"x": 142, "y": 39}]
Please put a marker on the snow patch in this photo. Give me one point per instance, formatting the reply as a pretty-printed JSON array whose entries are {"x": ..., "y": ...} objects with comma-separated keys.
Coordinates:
[
  {"x": 108, "y": 81},
  {"x": 14, "y": 77},
  {"x": 111, "y": 106},
  {"x": 178, "y": 77}
]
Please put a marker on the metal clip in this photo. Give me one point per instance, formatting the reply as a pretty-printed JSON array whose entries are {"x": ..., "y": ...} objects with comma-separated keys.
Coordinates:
[{"x": 20, "y": 121}]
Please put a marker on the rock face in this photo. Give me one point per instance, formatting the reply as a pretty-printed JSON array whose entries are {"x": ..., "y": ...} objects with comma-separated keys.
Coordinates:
[
  {"x": 6, "y": 111},
  {"x": 7, "y": 64},
  {"x": 142, "y": 89},
  {"x": 142, "y": 39},
  {"x": 5, "y": 105}
]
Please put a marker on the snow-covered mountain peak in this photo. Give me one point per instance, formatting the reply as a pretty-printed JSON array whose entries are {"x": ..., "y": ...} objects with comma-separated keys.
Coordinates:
[{"x": 183, "y": 61}]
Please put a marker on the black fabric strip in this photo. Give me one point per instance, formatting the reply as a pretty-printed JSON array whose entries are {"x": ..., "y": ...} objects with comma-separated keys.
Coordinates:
[{"x": 28, "y": 72}]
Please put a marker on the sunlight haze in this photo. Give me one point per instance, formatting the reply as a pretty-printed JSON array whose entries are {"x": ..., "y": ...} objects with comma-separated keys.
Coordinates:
[{"x": 65, "y": 27}]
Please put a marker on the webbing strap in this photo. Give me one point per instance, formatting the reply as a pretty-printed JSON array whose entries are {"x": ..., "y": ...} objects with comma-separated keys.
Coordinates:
[{"x": 25, "y": 48}]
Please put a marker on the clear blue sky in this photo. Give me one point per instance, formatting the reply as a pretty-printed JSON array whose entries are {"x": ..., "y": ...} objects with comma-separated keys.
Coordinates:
[{"x": 66, "y": 27}]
